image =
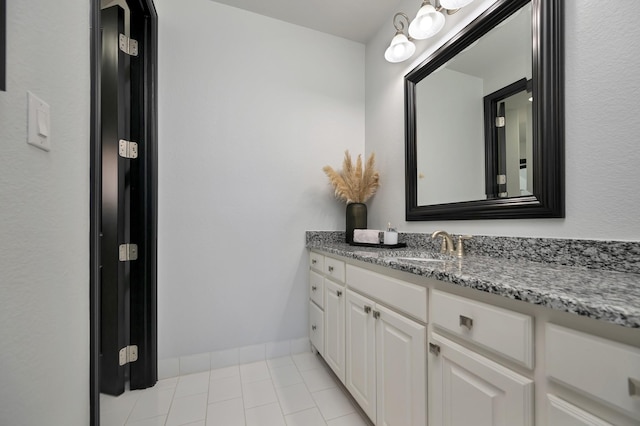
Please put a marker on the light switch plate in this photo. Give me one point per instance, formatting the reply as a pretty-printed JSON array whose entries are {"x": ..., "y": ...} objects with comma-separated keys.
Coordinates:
[{"x": 38, "y": 122}]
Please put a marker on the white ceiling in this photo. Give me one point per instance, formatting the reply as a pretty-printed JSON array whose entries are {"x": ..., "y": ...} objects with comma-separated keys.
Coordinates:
[{"x": 356, "y": 20}]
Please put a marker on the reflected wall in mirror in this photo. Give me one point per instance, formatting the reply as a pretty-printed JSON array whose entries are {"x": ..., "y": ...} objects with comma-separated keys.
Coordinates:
[{"x": 484, "y": 119}]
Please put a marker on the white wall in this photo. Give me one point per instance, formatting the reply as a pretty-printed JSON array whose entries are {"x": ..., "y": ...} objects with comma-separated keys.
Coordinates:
[
  {"x": 602, "y": 128},
  {"x": 250, "y": 110},
  {"x": 445, "y": 141},
  {"x": 44, "y": 219}
]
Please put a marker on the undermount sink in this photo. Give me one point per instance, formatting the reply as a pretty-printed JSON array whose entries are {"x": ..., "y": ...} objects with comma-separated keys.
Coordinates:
[{"x": 417, "y": 259}]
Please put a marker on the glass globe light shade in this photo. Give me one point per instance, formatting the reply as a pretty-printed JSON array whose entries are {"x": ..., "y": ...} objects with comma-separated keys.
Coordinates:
[
  {"x": 427, "y": 23},
  {"x": 400, "y": 49}
]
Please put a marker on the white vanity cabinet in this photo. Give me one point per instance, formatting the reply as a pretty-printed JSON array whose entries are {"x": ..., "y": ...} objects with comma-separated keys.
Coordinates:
[
  {"x": 415, "y": 351},
  {"x": 466, "y": 387},
  {"x": 385, "y": 356},
  {"x": 600, "y": 369}
]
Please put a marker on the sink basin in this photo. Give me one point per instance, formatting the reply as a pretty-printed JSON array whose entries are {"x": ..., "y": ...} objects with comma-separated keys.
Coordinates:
[{"x": 417, "y": 259}]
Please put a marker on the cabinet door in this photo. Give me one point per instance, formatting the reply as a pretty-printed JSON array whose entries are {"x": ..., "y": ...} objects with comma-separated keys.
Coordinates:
[
  {"x": 334, "y": 327},
  {"x": 469, "y": 389},
  {"x": 316, "y": 327},
  {"x": 401, "y": 370},
  {"x": 360, "y": 377}
]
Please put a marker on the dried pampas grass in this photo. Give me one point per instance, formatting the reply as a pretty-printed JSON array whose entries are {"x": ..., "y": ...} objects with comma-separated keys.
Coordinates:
[{"x": 353, "y": 184}]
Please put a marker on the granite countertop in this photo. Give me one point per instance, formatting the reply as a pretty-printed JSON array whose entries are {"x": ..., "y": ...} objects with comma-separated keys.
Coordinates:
[{"x": 604, "y": 295}]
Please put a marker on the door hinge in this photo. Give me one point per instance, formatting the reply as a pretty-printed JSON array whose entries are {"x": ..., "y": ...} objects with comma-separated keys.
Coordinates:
[
  {"x": 128, "y": 45},
  {"x": 500, "y": 122},
  {"x": 128, "y": 252},
  {"x": 127, "y": 149},
  {"x": 502, "y": 179},
  {"x": 128, "y": 354}
]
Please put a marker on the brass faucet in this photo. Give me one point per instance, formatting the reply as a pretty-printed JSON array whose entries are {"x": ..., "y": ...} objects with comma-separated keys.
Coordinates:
[{"x": 447, "y": 243}]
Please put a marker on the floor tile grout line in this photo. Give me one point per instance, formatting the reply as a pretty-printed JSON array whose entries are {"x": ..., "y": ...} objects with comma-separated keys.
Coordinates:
[
  {"x": 175, "y": 388},
  {"x": 322, "y": 366}
]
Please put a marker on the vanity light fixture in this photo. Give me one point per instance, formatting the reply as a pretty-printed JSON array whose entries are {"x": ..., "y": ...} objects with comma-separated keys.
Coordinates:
[
  {"x": 428, "y": 22},
  {"x": 401, "y": 47}
]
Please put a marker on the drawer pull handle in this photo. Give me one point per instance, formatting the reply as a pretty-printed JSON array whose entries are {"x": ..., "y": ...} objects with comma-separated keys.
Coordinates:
[
  {"x": 634, "y": 387},
  {"x": 313, "y": 261},
  {"x": 376, "y": 314},
  {"x": 338, "y": 293},
  {"x": 367, "y": 309},
  {"x": 313, "y": 327},
  {"x": 434, "y": 349},
  {"x": 314, "y": 288},
  {"x": 466, "y": 322},
  {"x": 330, "y": 268}
]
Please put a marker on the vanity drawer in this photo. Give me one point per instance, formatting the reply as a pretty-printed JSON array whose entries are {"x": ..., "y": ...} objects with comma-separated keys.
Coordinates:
[
  {"x": 560, "y": 412},
  {"x": 405, "y": 297},
  {"x": 604, "y": 369},
  {"x": 316, "y": 327},
  {"x": 316, "y": 261},
  {"x": 334, "y": 268},
  {"x": 499, "y": 330},
  {"x": 316, "y": 288}
]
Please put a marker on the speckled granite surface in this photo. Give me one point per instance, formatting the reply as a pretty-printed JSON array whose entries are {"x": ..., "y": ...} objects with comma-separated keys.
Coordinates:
[
  {"x": 563, "y": 282},
  {"x": 621, "y": 256}
]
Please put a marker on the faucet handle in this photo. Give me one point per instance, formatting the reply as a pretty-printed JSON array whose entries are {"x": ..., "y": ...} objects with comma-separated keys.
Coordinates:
[{"x": 460, "y": 249}]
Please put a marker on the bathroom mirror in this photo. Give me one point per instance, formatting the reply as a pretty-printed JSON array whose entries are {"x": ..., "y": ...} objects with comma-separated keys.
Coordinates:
[{"x": 458, "y": 166}]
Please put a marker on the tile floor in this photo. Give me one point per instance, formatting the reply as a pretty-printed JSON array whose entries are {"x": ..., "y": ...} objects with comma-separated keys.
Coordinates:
[{"x": 295, "y": 390}]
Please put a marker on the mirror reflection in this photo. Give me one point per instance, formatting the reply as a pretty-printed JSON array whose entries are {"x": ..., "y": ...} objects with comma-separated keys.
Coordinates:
[
  {"x": 509, "y": 141},
  {"x": 474, "y": 124}
]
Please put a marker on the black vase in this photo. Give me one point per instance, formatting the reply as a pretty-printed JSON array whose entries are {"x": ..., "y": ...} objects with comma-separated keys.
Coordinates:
[{"x": 356, "y": 219}]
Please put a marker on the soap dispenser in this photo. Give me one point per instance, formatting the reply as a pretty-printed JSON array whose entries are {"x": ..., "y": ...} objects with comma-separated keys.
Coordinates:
[{"x": 390, "y": 236}]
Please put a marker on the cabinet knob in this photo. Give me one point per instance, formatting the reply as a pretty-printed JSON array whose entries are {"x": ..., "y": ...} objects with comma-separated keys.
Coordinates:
[
  {"x": 434, "y": 349},
  {"x": 330, "y": 268},
  {"x": 376, "y": 314},
  {"x": 313, "y": 327},
  {"x": 338, "y": 293},
  {"x": 314, "y": 261},
  {"x": 634, "y": 387},
  {"x": 314, "y": 288},
  {"x": 466, "y": 322},
  {"x": 367, "y": 309}
]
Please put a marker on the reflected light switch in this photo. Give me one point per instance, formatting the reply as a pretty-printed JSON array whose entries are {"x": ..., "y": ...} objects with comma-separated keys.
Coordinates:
[{"x": 38, "y": 122}]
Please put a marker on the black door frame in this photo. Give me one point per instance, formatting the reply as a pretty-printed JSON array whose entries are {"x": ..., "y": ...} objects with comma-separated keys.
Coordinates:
[
  {"x": 494, "y": 151},
  {"x": 145, "y": 87}
]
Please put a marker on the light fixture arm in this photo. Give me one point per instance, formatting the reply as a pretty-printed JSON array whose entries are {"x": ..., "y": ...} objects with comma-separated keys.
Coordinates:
[{"x": 398, "y": 24}]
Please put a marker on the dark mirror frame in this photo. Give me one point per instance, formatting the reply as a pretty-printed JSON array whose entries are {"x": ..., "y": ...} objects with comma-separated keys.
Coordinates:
[{"x": 548, "y": 118}]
